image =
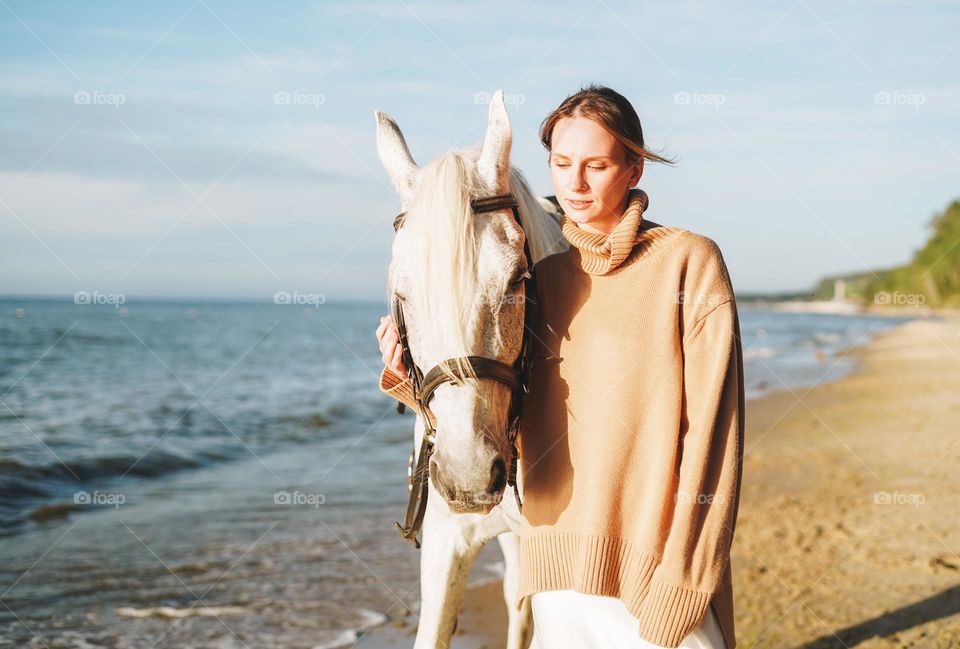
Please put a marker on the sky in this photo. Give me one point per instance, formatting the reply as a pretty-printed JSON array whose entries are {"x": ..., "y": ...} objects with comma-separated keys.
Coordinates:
[{"x": 212, "y": 149}]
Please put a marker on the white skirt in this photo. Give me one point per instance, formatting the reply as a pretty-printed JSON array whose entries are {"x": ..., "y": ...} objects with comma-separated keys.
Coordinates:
[{"x": 567, "y": 618}]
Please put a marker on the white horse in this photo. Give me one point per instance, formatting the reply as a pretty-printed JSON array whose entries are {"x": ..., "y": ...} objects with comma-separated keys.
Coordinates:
[{"x": 456, "y": 272}]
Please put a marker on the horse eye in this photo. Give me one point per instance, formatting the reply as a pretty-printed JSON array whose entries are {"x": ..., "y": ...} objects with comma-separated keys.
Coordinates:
[{"x": 522, "y": 274}]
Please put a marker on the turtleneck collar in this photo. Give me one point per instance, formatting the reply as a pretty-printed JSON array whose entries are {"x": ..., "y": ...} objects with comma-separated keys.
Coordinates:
[{"x": 602, "y": 253}]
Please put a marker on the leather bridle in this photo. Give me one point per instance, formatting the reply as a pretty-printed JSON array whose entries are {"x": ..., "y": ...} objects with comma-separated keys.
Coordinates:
[{"x": 515, "y": 377}]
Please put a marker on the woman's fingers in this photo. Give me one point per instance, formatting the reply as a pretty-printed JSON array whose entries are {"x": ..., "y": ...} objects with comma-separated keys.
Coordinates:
[
  {"x": 388, "y": 348},
  {"x": 384, "y": 331},
  {"x": 388, "y": 337},
  {"x": 398, "y": 366},
  {"x": 386, "y": 324}
]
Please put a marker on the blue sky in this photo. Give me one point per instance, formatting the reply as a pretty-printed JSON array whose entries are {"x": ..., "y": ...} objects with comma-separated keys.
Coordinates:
[{"x": 144, "y": 149}]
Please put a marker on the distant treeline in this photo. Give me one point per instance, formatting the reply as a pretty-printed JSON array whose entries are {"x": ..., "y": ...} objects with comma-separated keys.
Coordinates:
[
  {"x": 934, "y": 271},
  {"x": 931, "y": 278}
]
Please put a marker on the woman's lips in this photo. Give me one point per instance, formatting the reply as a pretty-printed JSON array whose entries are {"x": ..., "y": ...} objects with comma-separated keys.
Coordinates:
[{"x": 579, "y": 205}]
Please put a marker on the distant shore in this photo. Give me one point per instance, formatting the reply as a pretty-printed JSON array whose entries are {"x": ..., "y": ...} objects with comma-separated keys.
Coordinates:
[{"x": 844, "y": 307}]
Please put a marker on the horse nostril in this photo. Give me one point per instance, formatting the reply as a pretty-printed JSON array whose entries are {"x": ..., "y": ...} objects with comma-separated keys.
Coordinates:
[
  {"x": 498, "y": 476},
  {"x": 438, "y": 483}
]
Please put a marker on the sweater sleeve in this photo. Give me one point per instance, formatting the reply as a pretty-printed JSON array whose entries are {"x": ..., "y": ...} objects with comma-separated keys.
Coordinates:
[
  {"x": 707, "y": 484},
  {"x": 393, "y": 385}
]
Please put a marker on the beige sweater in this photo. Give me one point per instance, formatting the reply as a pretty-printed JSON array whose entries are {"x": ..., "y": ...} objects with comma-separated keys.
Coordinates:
[{"x": 631, "y": 442}]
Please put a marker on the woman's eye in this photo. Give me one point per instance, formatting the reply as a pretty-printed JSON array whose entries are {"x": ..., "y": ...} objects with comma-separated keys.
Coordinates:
[
  {"x": 596, "y": 168},
  {"x": 562, "y": 165}
]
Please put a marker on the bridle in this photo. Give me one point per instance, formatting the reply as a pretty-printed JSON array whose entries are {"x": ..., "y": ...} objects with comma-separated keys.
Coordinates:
[{"x": 515, "y": 377}]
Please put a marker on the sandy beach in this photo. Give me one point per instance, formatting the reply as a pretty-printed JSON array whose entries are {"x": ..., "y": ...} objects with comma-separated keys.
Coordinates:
[{"x": 848, "y": 533}]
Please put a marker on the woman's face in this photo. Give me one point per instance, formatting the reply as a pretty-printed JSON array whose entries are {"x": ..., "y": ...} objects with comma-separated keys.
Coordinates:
[{"x": 590, "y": 174}]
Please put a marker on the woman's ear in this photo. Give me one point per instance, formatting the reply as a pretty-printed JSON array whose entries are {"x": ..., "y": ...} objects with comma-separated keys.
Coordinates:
[{"x": 636, "y": 173}]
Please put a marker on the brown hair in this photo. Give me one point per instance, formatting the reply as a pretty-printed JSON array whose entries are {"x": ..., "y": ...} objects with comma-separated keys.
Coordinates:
[{"x": 609, "y": 109}]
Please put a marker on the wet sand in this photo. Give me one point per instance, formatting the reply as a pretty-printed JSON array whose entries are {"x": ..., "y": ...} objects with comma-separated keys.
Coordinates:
[
  {"x": 482, "y": 623},
  {"x": 848, "y": 533}
]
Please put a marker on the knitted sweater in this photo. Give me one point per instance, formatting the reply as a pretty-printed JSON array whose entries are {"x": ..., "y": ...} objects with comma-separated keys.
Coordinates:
[{"x": 631, "y": 439}]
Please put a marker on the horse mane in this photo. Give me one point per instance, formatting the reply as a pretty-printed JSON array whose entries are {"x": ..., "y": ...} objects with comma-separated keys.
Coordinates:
[{"x": 441, "y": 228}]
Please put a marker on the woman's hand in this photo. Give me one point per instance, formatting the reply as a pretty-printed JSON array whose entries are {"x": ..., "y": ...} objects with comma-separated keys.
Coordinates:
[{"x": 389, "y": 340}]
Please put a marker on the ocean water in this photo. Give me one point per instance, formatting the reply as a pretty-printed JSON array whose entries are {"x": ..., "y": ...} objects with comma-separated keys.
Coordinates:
[
  {"x": 227, "y": 474},
  {"x": 787, "y": 351}
]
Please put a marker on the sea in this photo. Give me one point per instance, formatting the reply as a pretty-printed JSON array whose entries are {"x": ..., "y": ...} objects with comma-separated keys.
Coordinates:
[{"x": 214, "y": 474}]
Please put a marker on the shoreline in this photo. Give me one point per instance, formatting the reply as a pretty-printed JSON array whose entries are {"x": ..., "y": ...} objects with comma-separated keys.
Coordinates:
[
  {"x": 840, "y": 307},
  {"x": 812, "y": 479}
]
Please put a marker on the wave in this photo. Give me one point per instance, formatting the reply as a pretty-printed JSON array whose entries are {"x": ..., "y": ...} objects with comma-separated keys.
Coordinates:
[
  {"x": 349, "y": 637},
  {"x": 758, "y": 352},
  {"x": 819, "y": 340},
  {"x": 174, "y": 613},
  {"x": 44, "y": 492}
]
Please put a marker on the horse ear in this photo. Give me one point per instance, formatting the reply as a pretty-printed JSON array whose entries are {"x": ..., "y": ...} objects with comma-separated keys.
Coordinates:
[
  {"x": 494, "y": 161},
  {"x": 396, "y": 157}
]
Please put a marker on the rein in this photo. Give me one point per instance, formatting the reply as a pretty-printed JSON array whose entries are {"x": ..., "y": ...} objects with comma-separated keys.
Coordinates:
[{"x": 515, "y": 377}]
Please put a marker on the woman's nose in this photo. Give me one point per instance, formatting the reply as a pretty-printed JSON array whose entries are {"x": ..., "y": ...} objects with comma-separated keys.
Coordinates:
[{"x": 577, "y": 181}]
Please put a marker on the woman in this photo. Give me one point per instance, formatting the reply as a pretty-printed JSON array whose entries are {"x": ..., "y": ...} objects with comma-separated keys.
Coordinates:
[{"x": 632, "y": 433}]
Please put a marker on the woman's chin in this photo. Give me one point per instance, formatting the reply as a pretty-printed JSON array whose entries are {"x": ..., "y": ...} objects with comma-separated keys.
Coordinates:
[{"x": 580, "y": 217}]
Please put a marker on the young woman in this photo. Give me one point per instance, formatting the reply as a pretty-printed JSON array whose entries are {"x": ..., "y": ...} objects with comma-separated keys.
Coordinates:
[{"x": 632, "y": 436}]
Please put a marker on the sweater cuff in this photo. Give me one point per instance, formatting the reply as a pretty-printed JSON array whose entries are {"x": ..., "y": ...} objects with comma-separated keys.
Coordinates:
[
  {"x": 400, "y": 389},
  {"x": 670, "y": 613},
  {"x": 392, "y": 385}
]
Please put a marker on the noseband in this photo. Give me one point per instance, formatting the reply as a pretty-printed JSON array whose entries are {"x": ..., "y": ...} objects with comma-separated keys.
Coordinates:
[{"x": 514, "y": 376}]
